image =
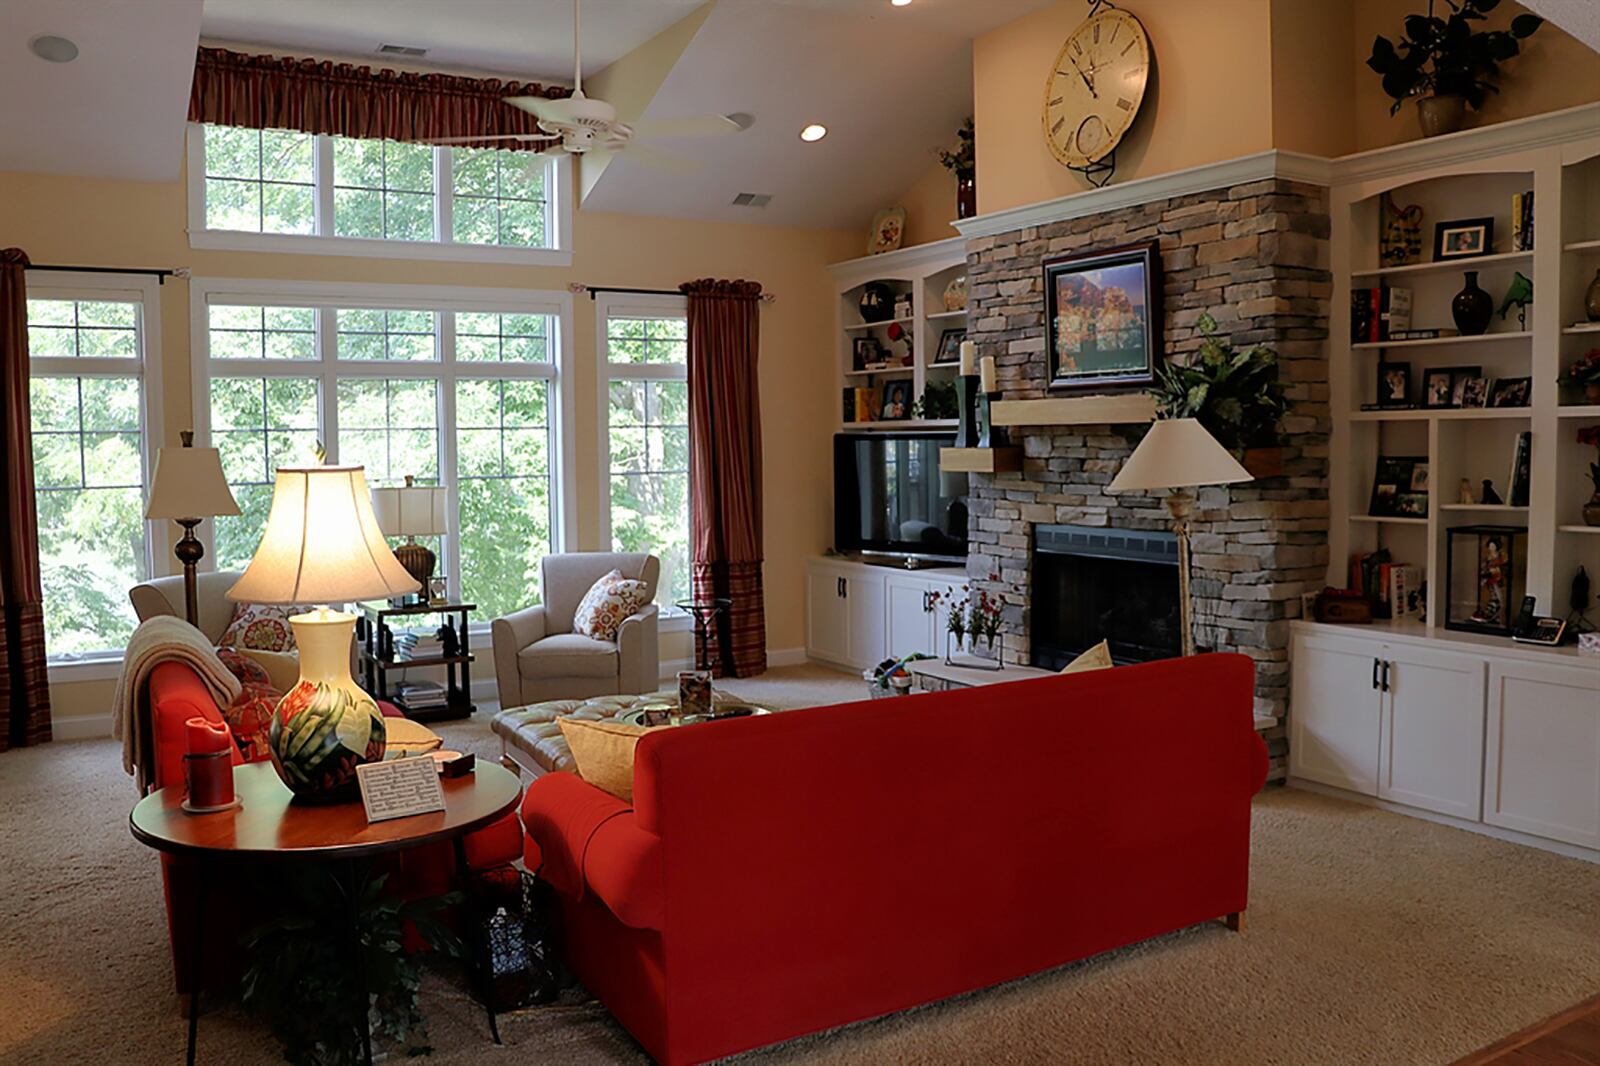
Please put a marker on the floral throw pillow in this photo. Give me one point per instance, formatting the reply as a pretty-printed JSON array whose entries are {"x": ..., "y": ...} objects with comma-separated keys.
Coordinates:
[
  {"x": 609, "y": 602},
  {"x": 250, "y": 719},
  {"x": 260, "y": 627},
  {"x": 246, "y": 669}
]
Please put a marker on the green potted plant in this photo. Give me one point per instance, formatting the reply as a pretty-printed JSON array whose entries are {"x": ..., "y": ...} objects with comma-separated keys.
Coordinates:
[
  {"x": 1585, "y": 375},
  {"x": 1447, "y": 64},
  {"x": 1236, "y": 396}
]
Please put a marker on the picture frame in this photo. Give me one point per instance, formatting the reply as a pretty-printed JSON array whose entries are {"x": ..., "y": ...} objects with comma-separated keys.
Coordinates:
[
  {"x": 887, "y": 231},
  {"x": 1459, "y": 376},
  {"x": 1475, "y": 392},
  {"x": 949, "y": 350},
  {"x": 1103, "y": 317},
  {"x": 1400, "y": 487},
  {"x": 1436, "y": 387},
  {"x": 896, "y": 401},
  {"x": 1466, "y": 238},
  {"x": 865, "y": 351},
  {"x": 1511, "y": 392},
  {"x": 1394, "y": 384}
]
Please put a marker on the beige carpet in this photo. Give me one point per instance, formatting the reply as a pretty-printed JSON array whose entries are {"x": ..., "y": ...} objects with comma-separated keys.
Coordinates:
[{"x": 1372, "y": 938}]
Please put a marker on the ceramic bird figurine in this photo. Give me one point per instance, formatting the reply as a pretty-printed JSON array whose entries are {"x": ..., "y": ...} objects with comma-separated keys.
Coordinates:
[
  {"x": 1520, "y": 295},
  {"x": 1490, "y": 497},
  {"x": 1464, "y": 493}
]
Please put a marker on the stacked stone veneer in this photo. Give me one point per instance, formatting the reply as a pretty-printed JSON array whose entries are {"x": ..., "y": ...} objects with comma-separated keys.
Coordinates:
[{"x": 1256, "y": 257}]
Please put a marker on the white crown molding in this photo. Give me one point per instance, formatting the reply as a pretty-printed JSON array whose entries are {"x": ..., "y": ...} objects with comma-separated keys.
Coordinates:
[
  {"x": 913, "y": 262},
  {"x": 1539, "y": 131}
]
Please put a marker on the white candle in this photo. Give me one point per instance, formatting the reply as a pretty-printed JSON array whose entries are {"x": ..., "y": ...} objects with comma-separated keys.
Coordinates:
[
  {"x": 969, "y": 356},
  {"x": 986, "y": 374}
]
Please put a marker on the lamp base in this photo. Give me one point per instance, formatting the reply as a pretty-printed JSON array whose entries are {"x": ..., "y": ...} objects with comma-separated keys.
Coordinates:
[
  {"x": 325, "y": 726},
  {"x": 418, "y": 561}
]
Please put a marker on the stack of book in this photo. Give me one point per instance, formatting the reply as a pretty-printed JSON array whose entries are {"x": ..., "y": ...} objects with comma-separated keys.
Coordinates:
[
  {"x": 404, "y": 645},
  {"x": 1522, "y": 221},
  {"x": 1377, "y": 314},
  {"x": 422, "y": 695}
]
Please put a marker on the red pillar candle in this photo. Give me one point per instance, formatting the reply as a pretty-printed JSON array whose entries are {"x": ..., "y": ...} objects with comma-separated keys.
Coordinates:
[
  {"x": 206, "y": 737},
  {"x": 208, "y": 768}
]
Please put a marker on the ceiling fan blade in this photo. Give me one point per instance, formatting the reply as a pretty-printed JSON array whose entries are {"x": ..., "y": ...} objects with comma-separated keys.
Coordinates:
[
  {"x": 696, "y": 126},
  {"x": 524, "y": 138},
  {"x": 538, "y": 106},
  {"x": 667, "y": 162}
]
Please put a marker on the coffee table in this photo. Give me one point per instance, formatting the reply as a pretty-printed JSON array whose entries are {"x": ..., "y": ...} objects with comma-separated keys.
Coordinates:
[{"x": 269, "y": 827}]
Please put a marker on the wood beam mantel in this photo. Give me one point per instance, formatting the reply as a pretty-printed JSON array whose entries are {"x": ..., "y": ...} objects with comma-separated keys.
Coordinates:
[{"x": 1133, "y": 407}]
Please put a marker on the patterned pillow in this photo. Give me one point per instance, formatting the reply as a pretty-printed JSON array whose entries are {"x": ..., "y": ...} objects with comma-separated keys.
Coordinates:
[
  {"x": 250, "y": 717},
  {"x": 246, "y": 669},
  {"x": 259, "y": 626},
  {"x": 609, "y": 602}
]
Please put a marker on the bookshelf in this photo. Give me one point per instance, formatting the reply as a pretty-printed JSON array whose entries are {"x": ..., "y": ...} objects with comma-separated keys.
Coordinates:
[{"x": 1473, "y": 179}]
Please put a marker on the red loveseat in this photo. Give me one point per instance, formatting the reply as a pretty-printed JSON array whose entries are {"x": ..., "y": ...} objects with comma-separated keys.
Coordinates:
[
  {"x": 177, "y": 694},
  {"x": 782, "y": 875}
]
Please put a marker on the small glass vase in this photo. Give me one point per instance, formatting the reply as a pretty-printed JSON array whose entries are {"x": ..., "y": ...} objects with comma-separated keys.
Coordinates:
[{"x": 970, "y": 644}]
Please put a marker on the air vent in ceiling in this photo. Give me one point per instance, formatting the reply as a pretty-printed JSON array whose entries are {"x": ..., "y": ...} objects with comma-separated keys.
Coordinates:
[
  {"x": 401, "y": 50},
  {"x": 752, "y": 199}
]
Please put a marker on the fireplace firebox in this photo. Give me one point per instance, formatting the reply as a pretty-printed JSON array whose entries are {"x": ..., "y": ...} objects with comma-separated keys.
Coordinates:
[{"x": 1092, "y": 584}]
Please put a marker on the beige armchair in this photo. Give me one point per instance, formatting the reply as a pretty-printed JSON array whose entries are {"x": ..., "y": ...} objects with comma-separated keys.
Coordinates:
[
  {"x": 538, "y": 657},
  {"x": 164, "y": 595}
]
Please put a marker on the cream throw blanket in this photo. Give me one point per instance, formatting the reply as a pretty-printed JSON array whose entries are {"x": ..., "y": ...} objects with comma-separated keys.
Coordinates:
[{"x": 156, "y": 641}]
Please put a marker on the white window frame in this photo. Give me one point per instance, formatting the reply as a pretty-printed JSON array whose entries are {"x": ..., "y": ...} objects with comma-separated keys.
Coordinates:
[
  {"x": 327, "y": 370},
  {"x": 146, "y": 292},
  {"x": 609, "y": 305},
  {"x": 558, "y": 198}
]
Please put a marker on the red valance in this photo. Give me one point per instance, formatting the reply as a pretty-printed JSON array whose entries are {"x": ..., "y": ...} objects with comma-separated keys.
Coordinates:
[{"x": 319, "y": 96}]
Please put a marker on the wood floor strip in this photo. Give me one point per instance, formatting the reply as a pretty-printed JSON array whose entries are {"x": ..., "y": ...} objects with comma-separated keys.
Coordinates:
[{"x": 1571, "y": 1038}]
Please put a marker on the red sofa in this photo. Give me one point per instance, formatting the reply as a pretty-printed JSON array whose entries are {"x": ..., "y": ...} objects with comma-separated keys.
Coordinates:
[
  {"x": 176, "y": 694},
  {"x": 782, "y": 875}
]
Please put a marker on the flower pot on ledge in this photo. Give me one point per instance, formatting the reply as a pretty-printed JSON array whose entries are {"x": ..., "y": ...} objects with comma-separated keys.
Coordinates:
[
  {"x": 1441, "y": 114},
  {"x": 1263, "y": 462}
]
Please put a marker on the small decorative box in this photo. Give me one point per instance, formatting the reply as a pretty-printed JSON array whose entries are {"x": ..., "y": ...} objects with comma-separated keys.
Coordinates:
[{"x": 1589, "y": 643}]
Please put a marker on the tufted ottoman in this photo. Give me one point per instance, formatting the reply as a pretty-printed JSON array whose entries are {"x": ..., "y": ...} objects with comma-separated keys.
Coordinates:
[{"x": 531, "y": 742}]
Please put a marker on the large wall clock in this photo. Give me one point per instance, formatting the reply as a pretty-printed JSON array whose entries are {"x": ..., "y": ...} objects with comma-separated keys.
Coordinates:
[{"x": 1094, "y": 90}]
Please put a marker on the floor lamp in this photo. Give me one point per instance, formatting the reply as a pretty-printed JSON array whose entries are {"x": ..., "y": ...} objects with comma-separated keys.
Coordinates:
[
  {"x": 188, "y": 487},
  {"x": 1178, "y": 455}
]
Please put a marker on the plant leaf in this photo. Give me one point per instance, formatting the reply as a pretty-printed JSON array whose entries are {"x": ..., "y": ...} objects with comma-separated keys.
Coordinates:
[{"x": 1524, "y": 25}]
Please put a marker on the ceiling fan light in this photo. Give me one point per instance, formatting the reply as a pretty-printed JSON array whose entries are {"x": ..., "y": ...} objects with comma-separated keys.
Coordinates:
[{"x": 814, "y": 132}]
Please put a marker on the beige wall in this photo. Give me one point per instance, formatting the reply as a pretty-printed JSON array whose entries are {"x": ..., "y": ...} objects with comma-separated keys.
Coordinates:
[
  {"x": 1312, "y": 78},
  {"x": 1555, "y": 70},
  {"x": 930, "y": 205},
  {"x": 105, "y": 223},
  {"x": 1210, "y": 97}
]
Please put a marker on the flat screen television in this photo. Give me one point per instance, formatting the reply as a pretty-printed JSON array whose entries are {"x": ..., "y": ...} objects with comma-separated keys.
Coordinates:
[{"x": 891, "y": 498}]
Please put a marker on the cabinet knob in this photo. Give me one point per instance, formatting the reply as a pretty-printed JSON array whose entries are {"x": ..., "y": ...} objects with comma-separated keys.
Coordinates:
[{"x": 1375, "y": 672}]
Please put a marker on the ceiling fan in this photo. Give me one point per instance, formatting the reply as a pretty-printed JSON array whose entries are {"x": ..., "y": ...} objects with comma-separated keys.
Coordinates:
[{"x": 582, "y": 123}]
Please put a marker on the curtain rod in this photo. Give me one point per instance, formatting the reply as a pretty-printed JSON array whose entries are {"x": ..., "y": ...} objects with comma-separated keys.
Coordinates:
[
  {"x": 579, "y": 288},
  {"x": 160, "y": 274}
]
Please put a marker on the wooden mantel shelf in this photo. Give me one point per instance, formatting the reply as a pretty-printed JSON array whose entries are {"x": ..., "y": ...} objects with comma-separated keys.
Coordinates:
[
  {"x": 1076, "y": 410},
  {"x": 1007, "y": 460}
]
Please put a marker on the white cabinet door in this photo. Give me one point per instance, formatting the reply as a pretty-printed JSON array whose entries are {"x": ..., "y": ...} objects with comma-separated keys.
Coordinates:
[
  {"x": 1432, "y": 752},
  {"x": 1334, "y": 712},
  {"x": 1542, "y": 770},
  {"x": 910, "y": 616},
  {"x": 827, "y": 615},
  {"x": 864, "y": 602}
]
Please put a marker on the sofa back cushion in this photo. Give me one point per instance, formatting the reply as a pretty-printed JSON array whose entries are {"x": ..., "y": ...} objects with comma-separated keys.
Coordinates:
[
  {"x": 164, "y": 595},
  {"x": 564, "y": 579}
]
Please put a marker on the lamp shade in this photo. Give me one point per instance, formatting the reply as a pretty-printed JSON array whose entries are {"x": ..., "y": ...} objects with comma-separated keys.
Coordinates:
[
  {"x": 189, "y": 483},
  {"x": 322, "y": 543},
  {"x": 410, "y": 510},
  {"x": 1178, "y": 453}
]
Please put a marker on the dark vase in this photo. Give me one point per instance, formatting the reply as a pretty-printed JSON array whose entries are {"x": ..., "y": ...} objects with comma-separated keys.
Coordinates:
[
  {"x": 1472, "y": 307},
  {"x": 966, "y": 196}
]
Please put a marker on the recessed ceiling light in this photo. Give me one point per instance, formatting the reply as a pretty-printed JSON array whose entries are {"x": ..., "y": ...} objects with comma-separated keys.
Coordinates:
[
  {"x": 814, "y": 132},
  {"x": 900, "y": 3},
  {"x": 54, "y": 49}
]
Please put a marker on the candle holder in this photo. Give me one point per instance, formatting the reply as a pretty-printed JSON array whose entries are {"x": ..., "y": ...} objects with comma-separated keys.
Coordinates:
[
  {"x": 966, "y": 397},
  {"x": 989, "y": 434}
]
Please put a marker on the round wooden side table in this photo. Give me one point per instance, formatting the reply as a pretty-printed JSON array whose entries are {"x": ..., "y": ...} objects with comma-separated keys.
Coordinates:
[{"x": 268, "y": 826}]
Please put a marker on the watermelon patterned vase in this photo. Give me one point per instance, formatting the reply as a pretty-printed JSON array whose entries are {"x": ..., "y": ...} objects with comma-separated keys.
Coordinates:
[{"x": 325, "y": 726}]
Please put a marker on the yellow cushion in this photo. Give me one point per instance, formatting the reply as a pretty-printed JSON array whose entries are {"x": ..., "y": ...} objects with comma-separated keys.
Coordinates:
[
  {"x": 403, "y": 737},
  {"x": 1096, "y": 658},
  {"x": 603, "y": 752},
  {"x": 282, "y": 667}
]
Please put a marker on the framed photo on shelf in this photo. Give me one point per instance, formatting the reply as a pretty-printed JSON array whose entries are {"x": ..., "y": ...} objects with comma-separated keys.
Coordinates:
[
  {"x": 949, "y": 350},
  {"x": 1436, "y": 387},
  {"x": 896, "y": 401},
  {"x": 1394, "y": 384},
  {"x": 1465, "y": 238},
  {"x": 1511, "y": 392},
  {"x": 1400, "y": 487},
  {"x": 866, "y": 353},
  {"x": 1474, "y": 392},
  {"x": 1103, "y": 317}
]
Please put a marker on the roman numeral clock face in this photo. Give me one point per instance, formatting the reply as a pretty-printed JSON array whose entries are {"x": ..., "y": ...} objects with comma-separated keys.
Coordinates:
[{"x": 1095, "y": 88}]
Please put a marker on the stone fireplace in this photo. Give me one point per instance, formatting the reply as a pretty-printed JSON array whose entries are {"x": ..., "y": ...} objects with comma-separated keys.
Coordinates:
[{"x": 1256, "y": 257}]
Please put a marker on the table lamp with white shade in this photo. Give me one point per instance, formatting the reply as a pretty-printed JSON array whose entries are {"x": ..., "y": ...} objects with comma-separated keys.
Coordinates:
[
  {"x": 412, "y": 511},
  {"x": 1178, "y": 454},
  {"x": 322, "y": 545},
  {"x": 187, "y": 487}
]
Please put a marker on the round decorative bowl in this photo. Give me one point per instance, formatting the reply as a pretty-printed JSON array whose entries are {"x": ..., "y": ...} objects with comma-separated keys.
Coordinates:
[{"x": 955, "y": 294}]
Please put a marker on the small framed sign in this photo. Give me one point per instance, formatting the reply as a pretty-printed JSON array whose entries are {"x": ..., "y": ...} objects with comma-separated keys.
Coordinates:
[{"x": 400, "y": 788}]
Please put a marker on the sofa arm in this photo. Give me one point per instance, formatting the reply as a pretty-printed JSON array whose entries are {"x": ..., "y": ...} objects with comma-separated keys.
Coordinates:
[
  {"x": 639, "y": 649},
  {"x": 177, "y": 694},
  {"x": 583, "y": 839},
  {"x": 510, "y": 635}
]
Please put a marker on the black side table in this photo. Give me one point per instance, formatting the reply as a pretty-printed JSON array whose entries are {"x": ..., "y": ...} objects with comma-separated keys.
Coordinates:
[
  {"x": 704, "y": 612},
  {"x": 378, "y": 655}
]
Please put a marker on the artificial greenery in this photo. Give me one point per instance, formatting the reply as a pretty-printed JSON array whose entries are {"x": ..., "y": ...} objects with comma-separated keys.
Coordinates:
[
  {"x": 1236, "y": 395},
  {"x": 938, "y": 400},
  {"x": 1447, "y": 57},
  {"x": 963, "y": 162},
  {"x": 302, "y": 973}
]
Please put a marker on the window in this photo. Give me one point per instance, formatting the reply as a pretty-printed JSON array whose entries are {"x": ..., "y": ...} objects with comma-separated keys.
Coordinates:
[
  {"x": 646, "y": 434},
  {"x": 87, "y": 392},
  {"x": 265, "y": 190},
  {"x": 460, "y": 388}
]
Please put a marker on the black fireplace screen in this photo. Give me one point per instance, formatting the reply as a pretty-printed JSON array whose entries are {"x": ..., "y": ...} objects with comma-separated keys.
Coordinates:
[{"x": 1093, "y": 584}]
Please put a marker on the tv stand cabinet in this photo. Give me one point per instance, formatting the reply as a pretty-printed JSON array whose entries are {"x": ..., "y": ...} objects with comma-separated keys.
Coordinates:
[{"x": 859, "y": 614}]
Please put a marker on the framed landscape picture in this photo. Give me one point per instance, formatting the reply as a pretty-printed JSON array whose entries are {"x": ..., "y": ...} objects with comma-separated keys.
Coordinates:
[{"x": 1103, "y": 317}]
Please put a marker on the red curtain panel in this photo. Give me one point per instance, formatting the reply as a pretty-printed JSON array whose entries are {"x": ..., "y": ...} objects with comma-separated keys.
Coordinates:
[
  {"x": 725, "y": 467},
  {"x": 24, "y": 683},
  {"x": 312, "y": 96}
]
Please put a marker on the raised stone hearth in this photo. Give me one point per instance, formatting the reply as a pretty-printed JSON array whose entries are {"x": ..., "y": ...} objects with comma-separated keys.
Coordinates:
[{"x": 1256, "y": 257}]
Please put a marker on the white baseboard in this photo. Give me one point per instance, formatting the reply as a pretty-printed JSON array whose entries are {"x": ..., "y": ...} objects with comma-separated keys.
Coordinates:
[
  {"x": 81, "y": 727},
  {"x": 670, "y": 668}
]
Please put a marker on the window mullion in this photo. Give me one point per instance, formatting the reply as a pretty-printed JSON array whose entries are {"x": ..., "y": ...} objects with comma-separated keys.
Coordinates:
[
  {"x": 322, "y": 176},
  {"x": 327, "y": 342},
  {"x": 444, "y": 195}
]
